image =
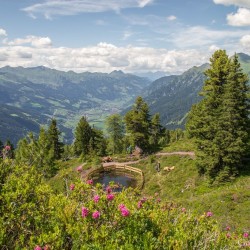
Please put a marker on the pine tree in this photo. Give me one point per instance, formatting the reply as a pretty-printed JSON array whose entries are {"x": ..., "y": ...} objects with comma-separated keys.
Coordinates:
[
  {"x": 156, "y": 131},
  {"x": 219, "y": 121},
  {"x": 54, "y": 133},
  {"x": 115, "y": 131},
  {"x": 83, "y": 135},
  {"x": 138, "y": 124},
  {"x": 97, "y": 142}
]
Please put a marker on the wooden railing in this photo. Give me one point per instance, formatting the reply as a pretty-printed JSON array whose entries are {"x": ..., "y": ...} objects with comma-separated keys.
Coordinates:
[{"x": 140, "y": 184}]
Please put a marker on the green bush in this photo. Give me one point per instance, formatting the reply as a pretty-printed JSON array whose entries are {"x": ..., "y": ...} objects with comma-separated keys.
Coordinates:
[{"x": 89, "y": 217}]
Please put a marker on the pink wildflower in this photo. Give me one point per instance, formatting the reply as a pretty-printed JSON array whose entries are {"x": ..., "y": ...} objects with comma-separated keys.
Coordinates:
[
  {"x": 96, "y": 215},
  {"x": 228, "y": 228},
  {"x": 79, "y": 168},
  {"x": 245, "y": 235},
  {"x": 108, "y": 189},
  {"x": 144, "y": 199},
  {"x": 90, "y": 182},
  {"x": 158, "y": 200},
  {"x": 72, "y": 186},
  {"x": 121, "y": 206},
  {"x": 96, "y": 198},
  {"x": 110, "y": 197},
  {"x": 37, "y": 248},
  {"x": 209, "y": 214},
  {"x": 228, "y": 235},
  {"x": 125, "y": 212},
  {"x": 85, "y": 212},
  {"x": 7, "y": 147},
  {"x": 184, "y": 210},
  {"x": 139, "y": 204}
]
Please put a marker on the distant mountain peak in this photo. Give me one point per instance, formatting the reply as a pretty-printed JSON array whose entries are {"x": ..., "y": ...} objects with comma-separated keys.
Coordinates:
[
  {"x": 117, "y": 72},
  {"x": 244, "y": 57}
]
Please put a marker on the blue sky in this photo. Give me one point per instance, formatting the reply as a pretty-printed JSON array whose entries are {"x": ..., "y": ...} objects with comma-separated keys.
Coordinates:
[{"x": 129, "y": 35}]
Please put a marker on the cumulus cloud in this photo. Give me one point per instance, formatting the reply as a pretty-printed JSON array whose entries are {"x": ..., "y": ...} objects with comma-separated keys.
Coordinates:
[
  {"x": 213, "y": 48},
  {"x": 171, "y": 18},
  {"x": 32, "y": 40},
  {"x": 241, "y": 18},
  {"x": 50, "y": 8},
  {"x": 3, "y": 32},
  {"x": 103, "y": 57},
  {"x": 245, "y": 41}
]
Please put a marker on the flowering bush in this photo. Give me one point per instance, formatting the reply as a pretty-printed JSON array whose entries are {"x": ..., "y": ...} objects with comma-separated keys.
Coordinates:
[{"x": 33, "y": 217}]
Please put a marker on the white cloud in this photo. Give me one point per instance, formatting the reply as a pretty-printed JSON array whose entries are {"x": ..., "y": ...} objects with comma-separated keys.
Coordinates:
[
  {"x": 32, "y": 40},
  {"x": 241, "y": 18},
  {"x": 198, "y": 36},
  {"x": 239, "y": 3},
  {"x": 245, "y": 41},
  {"x": 3, "y": 32},
  {"x": 127, "y": 34},
  {"x": 171, "y": 18},
  {"x": 50, "y": 8},
  {"x": 103, "y": 57},
  {"x": 213, "y": 48}
]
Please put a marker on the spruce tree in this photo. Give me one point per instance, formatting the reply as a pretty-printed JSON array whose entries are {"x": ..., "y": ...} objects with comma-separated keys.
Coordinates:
[
  {"x": 156, "y": 131},
  {"x": 137, "y": 122},
  {"x": 54, "y": 133},
  {"x": 219, "y": 121},
  {"x": 83, "y": 135},
  {"x": 115, "y": 131}
]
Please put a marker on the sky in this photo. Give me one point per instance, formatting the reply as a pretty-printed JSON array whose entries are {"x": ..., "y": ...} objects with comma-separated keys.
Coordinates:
[{"x": 134, "y": 36}]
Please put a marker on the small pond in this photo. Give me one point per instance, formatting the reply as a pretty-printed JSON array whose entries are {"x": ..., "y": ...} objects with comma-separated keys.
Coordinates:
[{"x": 123, "y": 179}]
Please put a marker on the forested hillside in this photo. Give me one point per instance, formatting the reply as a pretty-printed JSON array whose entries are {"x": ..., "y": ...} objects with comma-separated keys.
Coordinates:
[
  {"x": 29, "y": 97},
  {"x": 173, "y": 96}
]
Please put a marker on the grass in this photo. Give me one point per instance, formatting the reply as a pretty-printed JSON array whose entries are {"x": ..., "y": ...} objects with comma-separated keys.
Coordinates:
[
  {"x": 183, "y": 144},
  {"x": 229, "y": 203}
]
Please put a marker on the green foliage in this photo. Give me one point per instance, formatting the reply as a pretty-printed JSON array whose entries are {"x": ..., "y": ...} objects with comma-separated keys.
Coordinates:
[
  {"x": 115, "y": 130},
  {"x": 82, "y": 137},
  {"x": 89, "y": 217},
  {"x": 138, "y": 124},
  {"x": 220, "y": 122},
  {"x": 156, "y": 132},
  {"x": 53, "y": 134},
  {"x": 37, "y": 152}
]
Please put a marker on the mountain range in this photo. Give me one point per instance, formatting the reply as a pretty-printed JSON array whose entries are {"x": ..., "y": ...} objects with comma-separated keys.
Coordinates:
[
  {"x": 173, "y": 96},
  {"x": 30, "y": 97}
]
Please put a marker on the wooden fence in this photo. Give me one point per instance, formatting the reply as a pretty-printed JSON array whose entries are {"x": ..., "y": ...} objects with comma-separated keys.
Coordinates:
[{"x": 140, "y": 184}]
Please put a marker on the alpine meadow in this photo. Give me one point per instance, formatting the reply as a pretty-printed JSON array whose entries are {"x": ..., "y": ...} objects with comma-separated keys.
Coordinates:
[{"x": 125, "y": 125}]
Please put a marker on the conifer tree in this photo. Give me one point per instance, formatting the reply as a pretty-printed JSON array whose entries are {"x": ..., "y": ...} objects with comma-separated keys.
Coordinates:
[
  {"x": 219, "y": 121},
  {"x": 97, "y": 142},
  {"x": 54, "y": 133},
  {"x": 115, "y": 130},
  {"x": 137, "y": 122},
  {"x": 83, "y": 135},
  {"x": 156, "y": 131}
]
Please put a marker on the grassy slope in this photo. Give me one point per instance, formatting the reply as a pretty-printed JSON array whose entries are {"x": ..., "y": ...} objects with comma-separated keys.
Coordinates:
[{"x": 230, "y": 203}]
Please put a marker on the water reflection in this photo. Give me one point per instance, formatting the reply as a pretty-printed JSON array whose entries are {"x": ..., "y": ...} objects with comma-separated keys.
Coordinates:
[{"x": 123, "y": 179}]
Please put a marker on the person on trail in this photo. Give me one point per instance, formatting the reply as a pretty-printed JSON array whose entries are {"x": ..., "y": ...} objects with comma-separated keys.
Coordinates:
[{"x": 158, "y": 166}]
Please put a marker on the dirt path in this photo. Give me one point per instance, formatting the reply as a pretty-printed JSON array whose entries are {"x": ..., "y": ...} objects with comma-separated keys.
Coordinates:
[{"x": 191, "y": 154}]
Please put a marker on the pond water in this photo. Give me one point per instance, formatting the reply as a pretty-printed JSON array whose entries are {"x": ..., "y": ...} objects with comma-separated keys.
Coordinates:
[{"x": 123, "y": 179}]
